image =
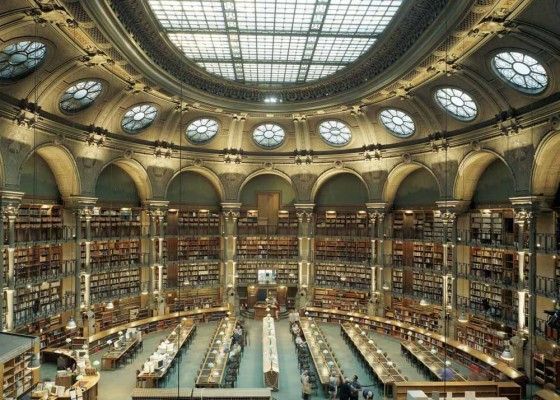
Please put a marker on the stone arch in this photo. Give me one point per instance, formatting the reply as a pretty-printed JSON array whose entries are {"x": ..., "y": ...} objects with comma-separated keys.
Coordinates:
[
  {"x": 545, "y": 174},
  {"x": 137, "y": 172},
  {"x": 63, "y": 166},
  {"x": 276, "y": 172},
  {"x": 325, "y": 176},
  {"x": 398, "y": 174},
  {"x": 205, "y": 172},
  {"x": 470, "y": 170}
]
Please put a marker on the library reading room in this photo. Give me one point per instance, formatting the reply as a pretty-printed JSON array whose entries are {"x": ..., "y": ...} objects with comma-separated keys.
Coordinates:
[{"x": 280, "y": 199}]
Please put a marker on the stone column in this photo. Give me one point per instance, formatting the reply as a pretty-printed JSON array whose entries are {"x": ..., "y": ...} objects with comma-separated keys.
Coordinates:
[
  {"x": 10, "y": 202},
  {"x": 305, "y": 245},
  {"x": 230, "y": 216},
  {"x": 526, "y": 211},
  {"x": 155, "y": 210},
  {"x": 377, "y": 213}
]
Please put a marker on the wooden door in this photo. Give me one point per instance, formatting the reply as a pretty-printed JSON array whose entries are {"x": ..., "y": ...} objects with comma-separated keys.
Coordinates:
[{"x": 268, "y": 204}]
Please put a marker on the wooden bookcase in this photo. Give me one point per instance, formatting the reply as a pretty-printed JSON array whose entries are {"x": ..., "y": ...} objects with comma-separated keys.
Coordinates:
[
  {"x": 427, "y": 317},
  {"x": 398, "y": 256},
  {"x": 38, "y": 263},
  {"x": 397, "y": 281},
  {"x": 195, "y": 274},
  {"x": 482, "y": 335},
  {"x": 115, "y": 223},
  {"x": 286, "y": 271},
  {"x": 492, "y": 300},
  {"x": 429, "y": 256},
  {"x": 39, "y": 222},
  {"x": 38, "y": 301},
  {"x": 343, "y": 276},
  {"x": 51, "y": 331},
  {"x": 267, "y": 247},
  {"x": 15, "y": 377},
  {"x": 125, "y": 310},
  {"x": 344, "y": 300},
  {"x": 547, "y": 369},
  {"x": 492, "y": 227},
  {"x": 496, "y": 265},
  {"x": 114, "y": 284},
  {"x": 428, "y": 286},
  {"x": 343, "y": 249},
  {"x": 199, "y": 248},
  {"x": 342, "y": 223},
  {"x": 193, "y": 222},
  {"x": 108, "y": 254},
  {"x": 191, "y": 298}
]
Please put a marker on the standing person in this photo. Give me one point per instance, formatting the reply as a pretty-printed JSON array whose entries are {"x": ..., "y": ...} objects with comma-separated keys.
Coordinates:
[
  {"x": 368, "y": 394},
  {"x": 346, "y": 390},
  {"x": 305, "y": 385},
  {"x": 333, "y": 383},
  {"x": 355, "y": 388}
]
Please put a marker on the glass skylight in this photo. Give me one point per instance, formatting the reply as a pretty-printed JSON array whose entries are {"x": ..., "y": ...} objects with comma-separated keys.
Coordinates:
[
  {"x": 274, "y": 41},
  {"x": 21, "y": 58},
  {"x": 80, "y": 95},
  {"x": 397, "y": 122},
  {"x": 457, "y": 103},
  {"x": 202, "y": 130},
  {"x": 521, "y": 71},
  {"x": 269, "y": 135},
  {"x": 335, "y": 133},
  {"x": 138, "y": 117}
]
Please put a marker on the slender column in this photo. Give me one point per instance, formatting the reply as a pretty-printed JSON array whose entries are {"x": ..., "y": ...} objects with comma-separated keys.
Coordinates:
[
  {"x": 230, "y": 216},
  {"x": 366, "y": 128},
  {"x": 305, "y": 261},
  {"x": 377, "y": 212},
  {"x": 87, "y": 214}
]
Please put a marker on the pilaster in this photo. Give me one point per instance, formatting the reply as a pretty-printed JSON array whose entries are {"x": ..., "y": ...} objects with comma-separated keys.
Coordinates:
[
  {"x": 377, "y": 213},
  {"x": 9, "y": 207},
  {"x": 230, "y": 216},
  {"x": 306, "y": 219}
]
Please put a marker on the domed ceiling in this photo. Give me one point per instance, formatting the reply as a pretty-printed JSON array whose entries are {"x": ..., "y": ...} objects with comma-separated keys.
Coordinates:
[{"x": 244, "y": 54}]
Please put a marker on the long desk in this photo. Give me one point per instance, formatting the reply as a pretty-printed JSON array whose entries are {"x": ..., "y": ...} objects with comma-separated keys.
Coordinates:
[
  {"x": 212, "y": 371},
  {"x": 497, "y": 369},
  {"x": 111, "y": 359},
  {"x": 382, "y": 367},
  {"x": 432, "y": 362},
  {"x": 323, "y": 357},
  {"x": 207, "y": 394},
  {"x": 270, "y": 354},
  {"x": 180, "y": 335}
]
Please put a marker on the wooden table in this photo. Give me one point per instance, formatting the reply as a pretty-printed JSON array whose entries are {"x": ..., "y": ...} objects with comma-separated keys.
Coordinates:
[
  {"x": 190, "y": 393},
  {"x": 323, "y": 357},
  {"x": 382, "y": 367},
  {"x": 432, "y": 362},
  {"x": 260, "y": 310},
  {"x": 271, "y": 369},
  {"x": 182, "y": 334},
  {"x": 212, "y": 371},
  {"x": 111, "y": 359}
]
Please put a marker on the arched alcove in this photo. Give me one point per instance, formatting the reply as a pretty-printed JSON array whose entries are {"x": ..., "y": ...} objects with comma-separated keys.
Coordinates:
[
  {"x": 267, "y": 183},
  {"x": 343, "y": 189},
  {"x": 417, "y": 189},
  {"x": 192, "y": 188},
  {"x": 37, "y": 180},
  {"x": 115, "y": 186},
  {"x": 495, "y": 185}
]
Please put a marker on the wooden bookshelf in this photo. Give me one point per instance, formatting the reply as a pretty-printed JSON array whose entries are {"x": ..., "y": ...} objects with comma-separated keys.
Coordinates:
[
  {"x": 267, "y": 247},
  {"x": 115, "y": 223},
  {"x": 197, "y": 274},
  {"x": 344, "y": 300},
  {"x": 15, "y": 376},
  {"x": 429, "y": 256},
  {"x": 342, "y": 223},
  {"x": 51, "y": 331},
  {"x": 422, "y": 225},
  {"x": 114, "y": 284},
  {"x": 427, "y": 285},
  {"x": 38, "y": 263},
  {"x": 490, "y": 264},
  {"x": 494, "y": 301},
  {"x": 343, "y": 276},
  {"x": 109, "y": 254},
  {"x": 286, "y": 224},
  {"x": 398, "y": 256},
  {"x": 286, "y": 271},
  {"x": 34, "y": 302},
  {"x": 193, "y": 222},
  {"x": 427, "y": 317},
  {"x": 397, "y": 275},
  {"x": 492, "y": 227},
  {"x": 39, "y": 222},
  {"x": 547, "y": 369},
  {"x": 192, "y": 298},
  {"x": 343, "y": 249},
  {"x": 125, "y": 310},
  {"x": 199, "y": 248},
  {"x": 484, "y": 336}
]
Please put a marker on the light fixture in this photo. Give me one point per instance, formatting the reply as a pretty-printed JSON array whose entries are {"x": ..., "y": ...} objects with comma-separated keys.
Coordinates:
[
  {"x": 433, "y": 350},
  {"x": 423, "y": 302},
  {"x": 506, "y": 354},
  {"x": 35, "y": 362},
  {"x": 463, "y": 318},
  {"x": 385, "y": 286},
  {"x": 110, "y": 305},
  {"x": 96, "y": 363},
  {"x": 71, "y": 324}
]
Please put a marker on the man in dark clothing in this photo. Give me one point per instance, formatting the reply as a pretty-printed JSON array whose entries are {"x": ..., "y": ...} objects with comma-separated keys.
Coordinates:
[
  {"x": 355, "y": 388},
  {"x": 345, "y": 390}
]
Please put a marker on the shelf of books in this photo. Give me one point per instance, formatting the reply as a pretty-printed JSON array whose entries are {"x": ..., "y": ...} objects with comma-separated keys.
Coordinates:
[
  {"x": 192, "y": 298},
  {"x": 193, "y": 222},
  {"x": 250, "y": 272},
  {"x": 343, "y": 276},
  {"x": 124, "y": 310},
  {"x": 397, "y": 275},
  {"x": 51, "y": 330},
  {"x": 342, "y": 223},
  {"x": 343, "y": 249},
  {"x": 15, "y": 376},
  {"x": 112, "y": 254},
  {"x": 428, "y": 286},
  {"x": 429, "y": 256},
  {"x": 405, "y": 310},
  {"x": 338, "y": 299},
  {"x": 114, "y": 284},
  {"x": 483, "y": 335},
  {"x": 198, "y": 248},
  {"x": 417, "y": 225},
  {"x": 35, "y": 264},
  {"x": 286, "y": 224},
  {"x": 34, "y": 302},
  {"x": 39, "y": 222},
  {"x": 496, "y": 265},
  {"x": 547, "y": 369},
  {"x": 263, "y": 247},
  {"x": 115, "y": 223},
  {"x": 492, "y": 227},
  {"x": 196, "y": 274},
  {"x": 490, "y": 300}
]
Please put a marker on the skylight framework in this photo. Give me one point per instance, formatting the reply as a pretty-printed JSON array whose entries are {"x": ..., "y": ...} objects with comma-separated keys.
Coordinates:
[{"x": 274, "y": 41}]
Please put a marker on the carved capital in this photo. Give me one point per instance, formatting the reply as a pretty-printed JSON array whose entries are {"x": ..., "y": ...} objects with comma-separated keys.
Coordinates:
[
  {"x": 156, "y": 208},
  {"x": 96, "y": 59},
  {"x": 10, "y": 202},
  {"x": 81, "y": 205},
  {"x": 52, "y": 14},
  {"x": 28, "y": 114},
  {"x": 230, "y": 211}
]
